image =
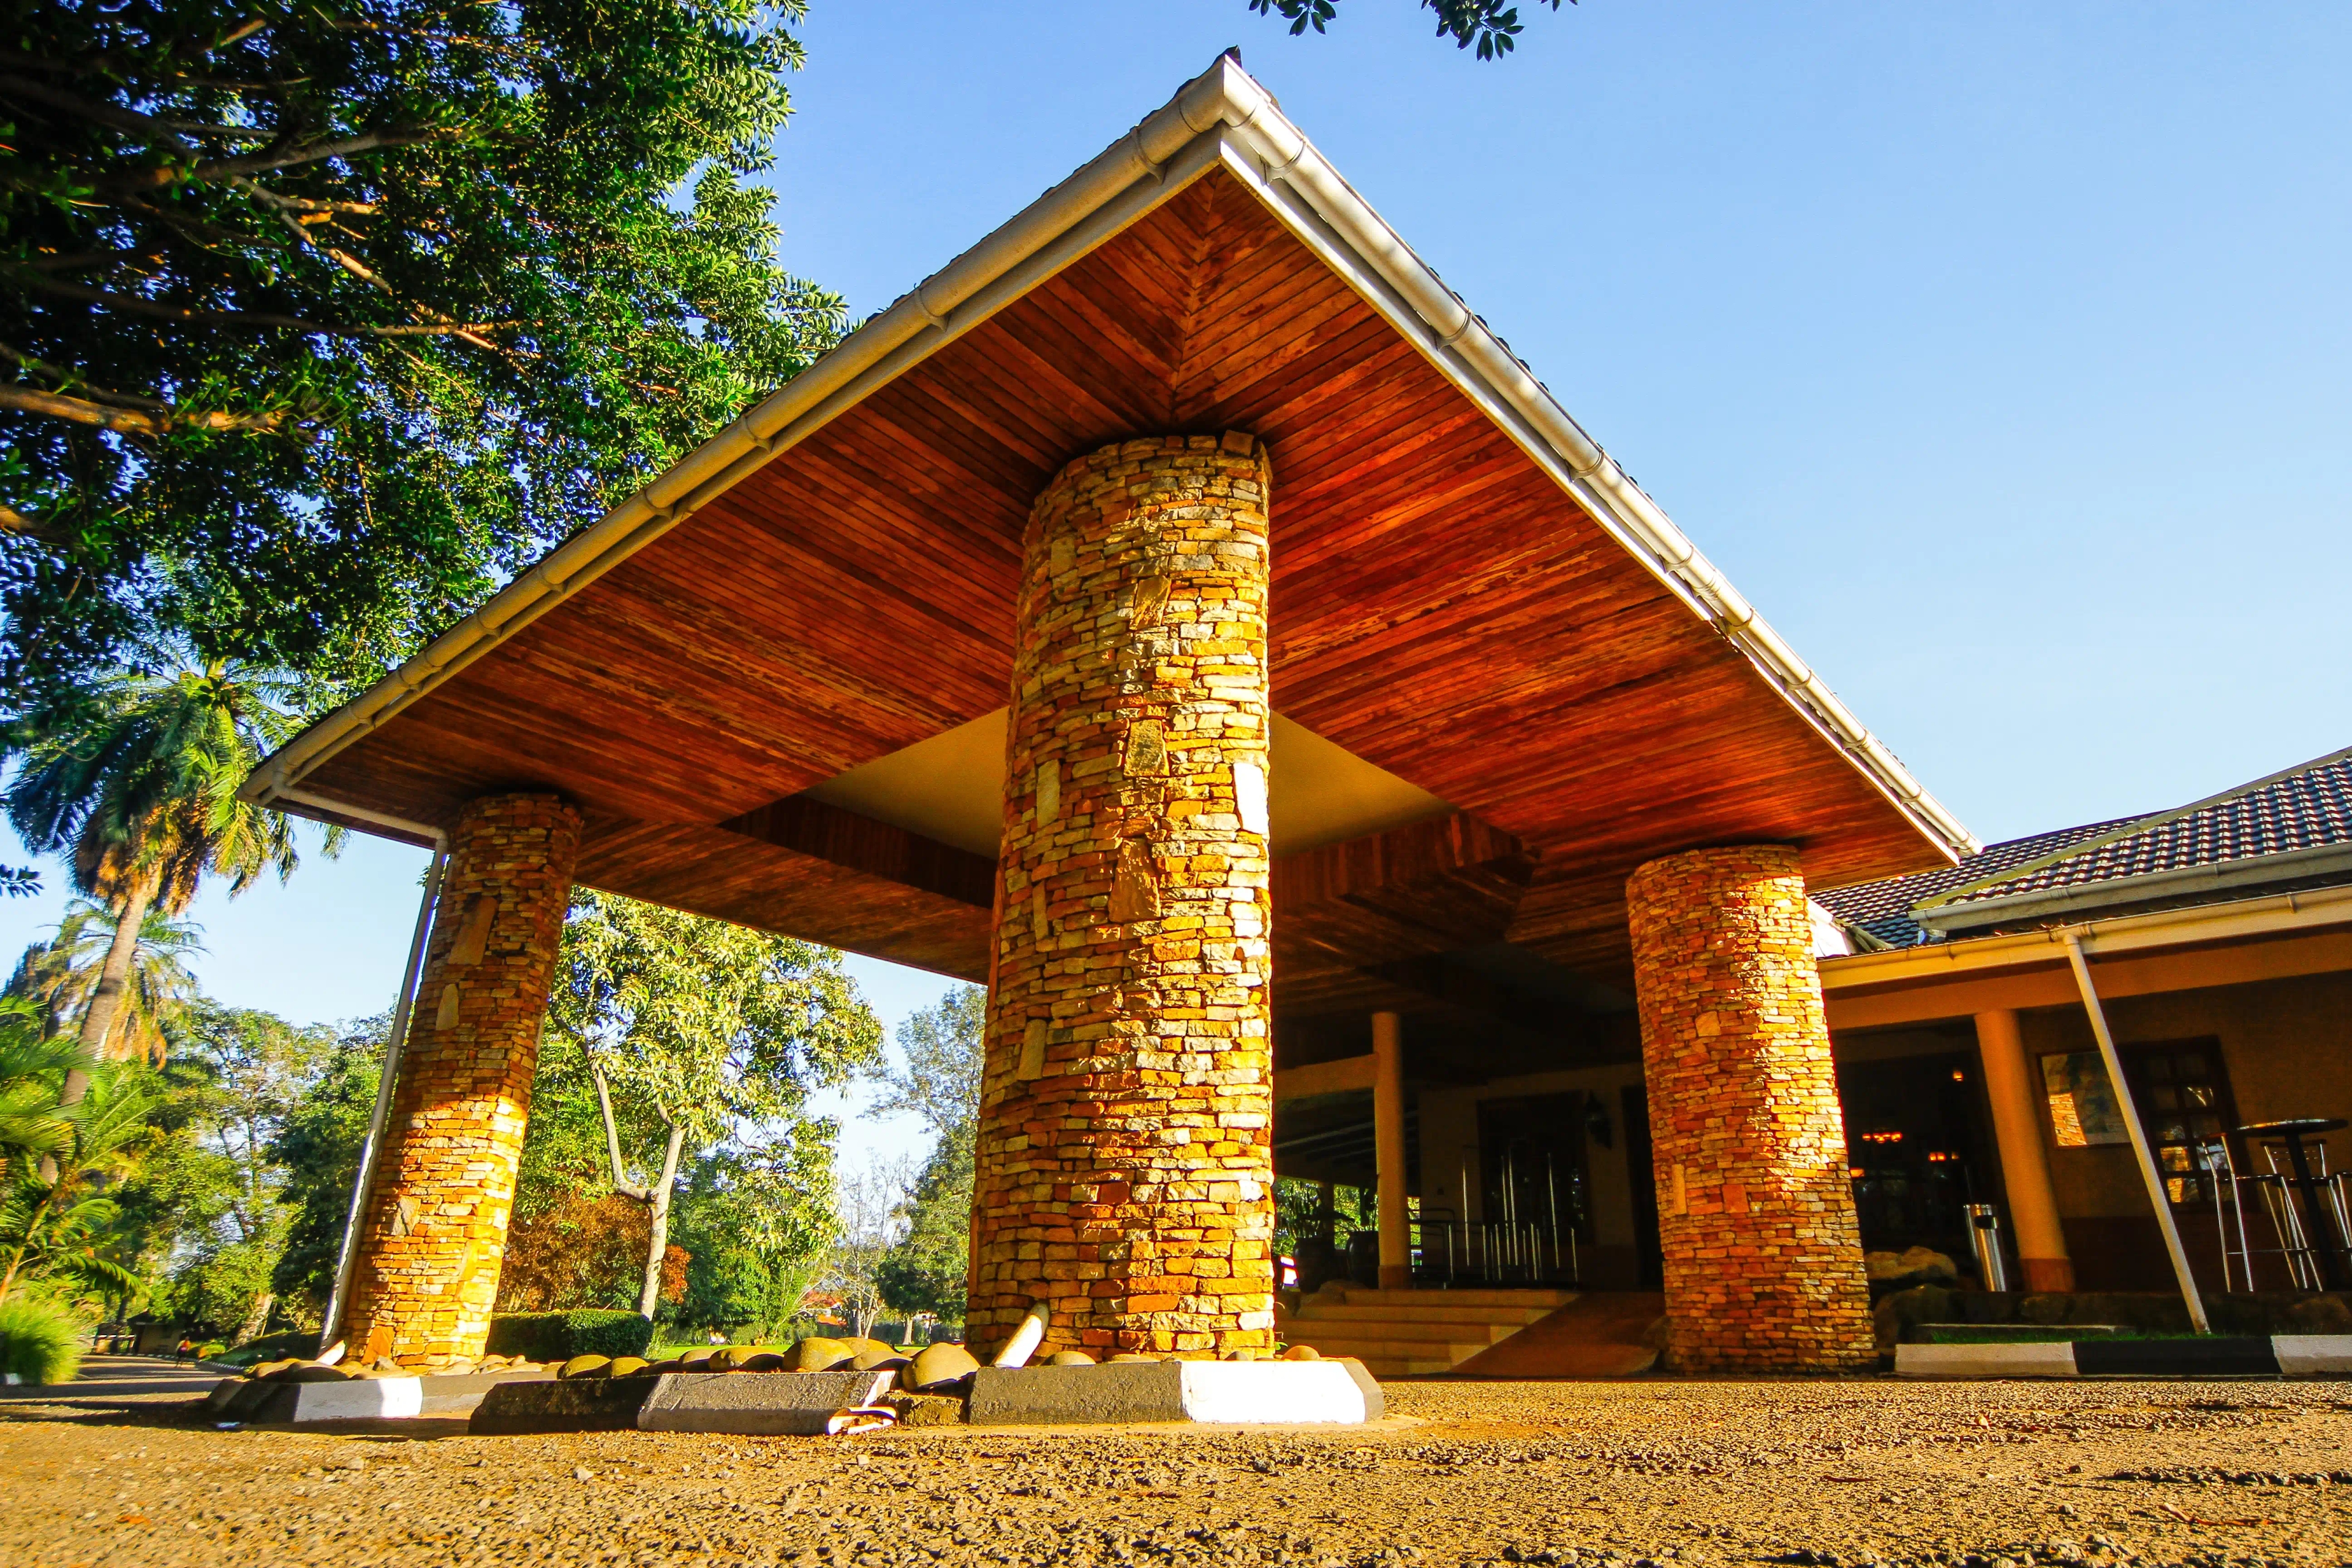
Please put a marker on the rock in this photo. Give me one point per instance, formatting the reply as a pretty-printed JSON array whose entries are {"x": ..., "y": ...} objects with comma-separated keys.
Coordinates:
[
  {"x": 625, "y": 1366},
  {"x": 695, "y": 1360},
  {"x": 461, "y": 1367},
  {"x": 763, "y": 1361},
  {"x": 383, "y": 1365},
  {"x": 583, "y": 1473},
  {"x": 1131, "y": 1356},
  {"x": 586, "y": 1367},
  {"x": 311, "y": 1371},
  {"x": 1928, "y": 1261},
  {"x": 928, "y": 1409},
  {"x": 814, "y": 1354},
  {"x": 879, "y": 1358},
  {"x": 1069, "y": 1358},
  {"x": 937, "y": 1366},
  {"x": 1302, "y": 1352}
]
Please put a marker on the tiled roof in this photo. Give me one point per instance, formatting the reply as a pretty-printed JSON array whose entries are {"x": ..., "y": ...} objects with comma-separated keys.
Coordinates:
[
  {"x": 2309, "y": 807},
  {"x": 1884, "y": 908},
  {"x": 2303, "y": 808}
]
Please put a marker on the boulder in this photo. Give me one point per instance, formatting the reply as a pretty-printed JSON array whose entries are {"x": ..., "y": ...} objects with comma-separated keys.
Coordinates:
[
  {"x": 814, "y": 1354},
  {"x": 1302, "y": 1352},
  {"x": 1069, "y": 1358},
  {"x": 312, "y": 1371},
  {"x": 585, "y": 1366},
  {"x": 938, "y": 1366},
  {"x": 877, "y": 1358},
  {"x": 625, "y": 1366}
]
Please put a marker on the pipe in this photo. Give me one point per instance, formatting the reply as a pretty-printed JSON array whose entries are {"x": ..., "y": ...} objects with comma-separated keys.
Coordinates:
[
  {"x": 1227, "y": 110},
  {"x": 2148, "y": 1170},
  {"x": 394, "y": 1048}
]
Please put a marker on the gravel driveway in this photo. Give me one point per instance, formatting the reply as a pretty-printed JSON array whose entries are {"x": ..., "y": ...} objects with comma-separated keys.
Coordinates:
[{"x": 1679, "y": 1472}]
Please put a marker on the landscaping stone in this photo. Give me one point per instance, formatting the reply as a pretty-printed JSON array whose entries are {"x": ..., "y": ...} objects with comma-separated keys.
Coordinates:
[
  {"x": 1334, "y": 1392},
  {"x": 935, "y": 1366},
  {"x": 780, "y": 1405}
]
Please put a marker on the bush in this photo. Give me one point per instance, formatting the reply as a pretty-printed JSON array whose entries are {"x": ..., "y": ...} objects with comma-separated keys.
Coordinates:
[
  {"x": 303, "y": 1342},
  {"x": 41, "y": 1341},
  {"x": 559, "y": 1336}
]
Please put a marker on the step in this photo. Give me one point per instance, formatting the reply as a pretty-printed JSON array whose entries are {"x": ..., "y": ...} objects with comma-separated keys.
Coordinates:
[
  {"x": 1546, "y": 1299},
  {"x": 1319, "y": 1312},
  {"x": 1382, "y": 1362},
  {"x": 1318, "y": 1329},
  {"x": 1451, "y": 1351}
]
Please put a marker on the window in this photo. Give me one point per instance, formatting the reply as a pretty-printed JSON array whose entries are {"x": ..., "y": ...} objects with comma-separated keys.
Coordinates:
[{"x": 2182, "y": 1093}]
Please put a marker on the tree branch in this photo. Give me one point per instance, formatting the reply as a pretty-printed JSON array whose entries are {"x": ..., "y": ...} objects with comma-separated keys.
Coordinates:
[
  {"x": 130, "y": 421},
  {"x": 135, "y": 306},
  {"x": 621, "y": 1183},
  {"x": 16, "y": 524}
]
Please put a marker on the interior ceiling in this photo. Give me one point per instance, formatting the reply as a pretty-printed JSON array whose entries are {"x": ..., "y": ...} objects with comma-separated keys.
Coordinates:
[
  {"x": 1449, "y": 629},
  {"x": 952, "y": 788}
]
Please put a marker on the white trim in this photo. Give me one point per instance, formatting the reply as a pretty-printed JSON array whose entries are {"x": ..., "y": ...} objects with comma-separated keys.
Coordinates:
[
  {"x": 2247, "y": 870},
  {"x": 1139, "y": 172},
  {"x": 2280, "y": 914}
]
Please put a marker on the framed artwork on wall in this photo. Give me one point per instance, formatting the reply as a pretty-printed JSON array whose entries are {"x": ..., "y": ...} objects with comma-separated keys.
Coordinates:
[{"x": 2083, "y": 1108}]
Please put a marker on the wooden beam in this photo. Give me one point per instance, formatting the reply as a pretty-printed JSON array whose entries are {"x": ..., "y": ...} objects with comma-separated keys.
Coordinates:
[
  {"x": 861, "y": 844},
  {"x": 1341, "y": 1077}
]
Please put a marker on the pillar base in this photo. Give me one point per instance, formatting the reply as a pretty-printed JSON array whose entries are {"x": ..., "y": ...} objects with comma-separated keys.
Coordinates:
[
  {"x": 1393, "y": 1278},
  {"x": 2047, "y": 1275}
]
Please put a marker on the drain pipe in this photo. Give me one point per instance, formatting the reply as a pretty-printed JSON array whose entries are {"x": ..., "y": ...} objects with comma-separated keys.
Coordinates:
[
  {"x": 348, "y": 1259},
  {"x": 2148, "y": 1170}
]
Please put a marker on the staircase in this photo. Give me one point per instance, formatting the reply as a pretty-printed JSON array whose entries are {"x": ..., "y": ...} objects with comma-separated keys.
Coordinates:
[{"x": 1402, "y": 1333}]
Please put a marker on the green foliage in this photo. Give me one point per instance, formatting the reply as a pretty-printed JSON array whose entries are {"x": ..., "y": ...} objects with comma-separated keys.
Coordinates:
[
  {"x": 62, "y": 976},
  {"x": 323, "y": 319},
  {"x": 40, "y": 1339},
  {"x": 943, "y": 1049},
  {"x": 32, "y": 1066},
  {"x": 1491, "y": 25},
  {"x": 317, "y": 1147},
  {"x": 1298, "y": 1212},
  {"x": 754, "y": 1220},
  {"x": 271, "y": 1347},
  {"x": 60, "y": 1233},
  {"x": 559, "y": 1336}
]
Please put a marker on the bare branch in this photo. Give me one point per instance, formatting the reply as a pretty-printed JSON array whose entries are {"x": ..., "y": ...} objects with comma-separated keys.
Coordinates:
[
  {"x": 122, "y": 119},
  {"x": 621, "y": 1183}
]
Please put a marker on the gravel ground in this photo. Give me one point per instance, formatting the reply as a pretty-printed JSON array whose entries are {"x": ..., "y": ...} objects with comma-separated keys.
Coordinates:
[{"x": 1642, "y": 1475}]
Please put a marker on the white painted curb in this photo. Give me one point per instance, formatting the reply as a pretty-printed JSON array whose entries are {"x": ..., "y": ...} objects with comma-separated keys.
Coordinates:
[
  {"x": 2312, "y": 1355},
  {"x": 1315, "y": 1392}
]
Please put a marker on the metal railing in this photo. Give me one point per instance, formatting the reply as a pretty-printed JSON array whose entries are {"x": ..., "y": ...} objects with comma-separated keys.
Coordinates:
[{"x": 1460, "y": 1252}]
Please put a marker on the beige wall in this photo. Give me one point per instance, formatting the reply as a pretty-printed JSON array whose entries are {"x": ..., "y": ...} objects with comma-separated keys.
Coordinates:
[{"x": 1449, "y": 1144}]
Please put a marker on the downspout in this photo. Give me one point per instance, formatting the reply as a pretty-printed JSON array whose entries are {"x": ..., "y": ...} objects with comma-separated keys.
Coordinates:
[
  {"x": 2148, "y": 1170},
  {"x": 372, "y": 1147}
]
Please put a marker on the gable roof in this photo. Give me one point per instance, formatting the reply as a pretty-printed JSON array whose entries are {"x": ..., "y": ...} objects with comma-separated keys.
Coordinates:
[
  {"x": 2290, "y": 828},
  {"x": 1470, "y": 595}
]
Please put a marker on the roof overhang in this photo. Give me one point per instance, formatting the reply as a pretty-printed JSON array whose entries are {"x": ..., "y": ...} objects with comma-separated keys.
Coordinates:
[{"x": 1472, "y": 600}]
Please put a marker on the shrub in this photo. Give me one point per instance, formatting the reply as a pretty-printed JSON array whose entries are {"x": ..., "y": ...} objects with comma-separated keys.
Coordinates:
[
  {"x": 559, "y": 1336},
  {"x": 41, "y": 1341},
  {"x": 302, "y": 1342}
]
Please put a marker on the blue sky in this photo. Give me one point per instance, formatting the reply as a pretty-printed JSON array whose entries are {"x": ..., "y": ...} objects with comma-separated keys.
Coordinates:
[{"x": 1999, "y": 353}]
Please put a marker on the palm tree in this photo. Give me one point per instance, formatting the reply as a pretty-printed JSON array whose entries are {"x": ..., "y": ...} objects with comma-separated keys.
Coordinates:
[
  {"x": 134, "y": 776},
  {"x": 63, "y": 973},
  {"x": 60, "y": 1229},
  {"x": 32, "y": 1063}
]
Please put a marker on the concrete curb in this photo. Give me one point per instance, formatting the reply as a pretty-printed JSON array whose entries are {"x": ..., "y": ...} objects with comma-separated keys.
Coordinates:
[
  {"x": 359, "y": 1399},
  {"x": 757, "y": 1403},
  {"x": 2279, "y": 1355},
  {"x": 1338, "y": 1392}
]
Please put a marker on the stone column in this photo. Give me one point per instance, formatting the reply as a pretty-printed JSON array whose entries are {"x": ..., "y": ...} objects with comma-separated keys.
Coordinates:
[
  {"x": 2017, "y": 1111},
  {"x": 1125, "y": 1169},
  {"x": 434, "y": 1231},
  {"x": 1763, "y": 1258},
  {"x": 1387, "y": 1152}
]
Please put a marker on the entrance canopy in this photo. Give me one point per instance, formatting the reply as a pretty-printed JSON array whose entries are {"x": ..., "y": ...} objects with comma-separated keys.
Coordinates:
[{"x": 776, "y": 679}]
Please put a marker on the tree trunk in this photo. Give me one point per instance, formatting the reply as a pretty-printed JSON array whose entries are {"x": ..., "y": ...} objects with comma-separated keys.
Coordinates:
[
  {"x": 256, "y": 1317},
  {"x": 106, "y": 1002},
  {"x": 657, "y": 1244}
]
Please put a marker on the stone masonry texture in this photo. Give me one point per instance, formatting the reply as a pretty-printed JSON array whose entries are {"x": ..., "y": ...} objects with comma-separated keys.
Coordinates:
[
  {"x": 1763, "y": 1255},
  {"x": 435, "y": 1228},
  {"x": 1125, "y": 1153}
]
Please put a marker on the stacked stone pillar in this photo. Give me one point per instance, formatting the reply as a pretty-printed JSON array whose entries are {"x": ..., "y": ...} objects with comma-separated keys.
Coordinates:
[
  {"x": 433, "y": 1231},
  {"x": 1125, "y": 1169},
  {"x": 1763, "y": 1253}
]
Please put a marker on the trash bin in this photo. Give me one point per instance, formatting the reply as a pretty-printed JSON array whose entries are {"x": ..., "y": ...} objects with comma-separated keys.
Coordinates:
[{"x": 1984, "y": 1236}]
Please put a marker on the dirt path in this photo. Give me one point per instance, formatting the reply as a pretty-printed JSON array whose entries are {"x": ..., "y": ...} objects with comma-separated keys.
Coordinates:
[{"x": 1686, "y": 1473}]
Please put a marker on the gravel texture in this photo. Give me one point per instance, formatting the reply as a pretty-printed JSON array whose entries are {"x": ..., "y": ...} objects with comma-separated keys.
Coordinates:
[{"x": 1641, "y": 1475}]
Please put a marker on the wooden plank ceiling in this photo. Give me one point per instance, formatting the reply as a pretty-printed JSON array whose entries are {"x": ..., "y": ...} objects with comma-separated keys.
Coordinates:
[{"x": 1442, "y": 609}]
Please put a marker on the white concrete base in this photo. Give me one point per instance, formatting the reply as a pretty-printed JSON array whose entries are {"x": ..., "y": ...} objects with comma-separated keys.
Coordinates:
[
  {"x": 2312, "y": 1355},
  {"x": 757, "y": 1404},
  {"x": 1254, "y": 1393},
  {"x": 2036, "y": 1360}
]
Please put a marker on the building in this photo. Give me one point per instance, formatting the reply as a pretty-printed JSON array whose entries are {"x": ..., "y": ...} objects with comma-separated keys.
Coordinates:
[
  {"x": 1182, "y": 615},
  {"x": 2216, "y": 939}
]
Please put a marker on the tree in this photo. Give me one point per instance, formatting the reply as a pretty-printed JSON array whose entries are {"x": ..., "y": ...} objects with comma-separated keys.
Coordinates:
[
  {"x": 943, "y": 1050},
  {"x": 33, "y": 1063},
  {"x": 209, "y": 1198},
  {"x": 59, "y": 1231},
  {"x": 870, "y": 1207},
  {"x": 714, "y": 1032},
  {"x": 323, "y": 319},
  {"x": 1491, "y": 25},
  {"x": 63, "y": 973},
  {"x": 317, "y": 1146},
  {"x": 135, "y": 776},
  {"x": 755, "y": 1221}
]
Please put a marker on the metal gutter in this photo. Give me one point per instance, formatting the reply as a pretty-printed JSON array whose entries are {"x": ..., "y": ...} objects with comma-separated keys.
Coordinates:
[
  {"x": 1221, "y": 115},
  {"x": 2248, "y": 870},
  {"x": 2279, "y": 914}
]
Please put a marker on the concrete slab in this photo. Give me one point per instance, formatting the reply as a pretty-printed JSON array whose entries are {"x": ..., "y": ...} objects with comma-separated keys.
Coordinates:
[
  {"x": 757, "y": 1403},
  {"x": 581, "y": 1405},
  {"x": 359, "y": 1399},
  {"x": 2312, "y": 1355},
  {"x": 2215, "y": 1355},
  {"x": 1334, "y": 1392},
  {"x": 2046, "y": 1360}
]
